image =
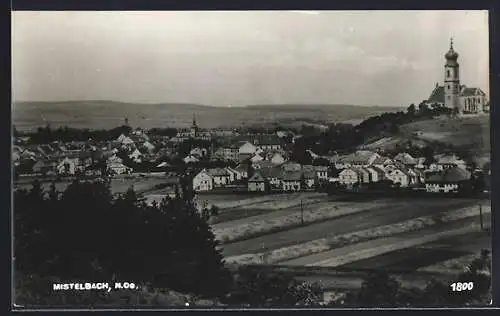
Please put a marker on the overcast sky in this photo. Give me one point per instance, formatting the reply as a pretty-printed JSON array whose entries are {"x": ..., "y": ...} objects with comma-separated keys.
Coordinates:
[{"x": 390, "y": 58}]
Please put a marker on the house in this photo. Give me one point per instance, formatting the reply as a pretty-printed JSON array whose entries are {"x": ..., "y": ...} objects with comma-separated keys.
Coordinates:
[
  {"x": 450, "y": 180},
  {"x": 190, "y": 159},
  {"x": 309, "y": 179},
  {"x": 246, "y": 150},
  {"x": 242, "y": 170},
  {"x": 68, "y": 166},
  {"x": 231, "y": 152},
  {"x": 125, "y": 140},
  {"x": 321, "y": 172},
  {"x": 447, "y": 161},
  {"x": 119, "y": 168},
  {"x": 273, "y": 176},
  {"x": 376, "y": 174},
  {"x": 406, "y": 159},
  {"x": 267, "y": 142},
  {"x": 398, "y": 175},
  {"x": 257, "y": 183},
  {"x": 220, "y": 176},
  {"x": 203, "y": 181},
  {"x": 291, "y": 181},
  {"x": 381, "y": 162},
  {"x": 365, "y": 175},
  {"x": 233, "y": 176},
  {"x": 349, "y": 176},
  {"x": 361, "y": 158},
  {"x": 136, "y": 156}
]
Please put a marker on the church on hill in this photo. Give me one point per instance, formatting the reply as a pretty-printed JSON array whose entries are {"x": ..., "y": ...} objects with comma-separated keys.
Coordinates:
[{"x": 453, "y": 95}]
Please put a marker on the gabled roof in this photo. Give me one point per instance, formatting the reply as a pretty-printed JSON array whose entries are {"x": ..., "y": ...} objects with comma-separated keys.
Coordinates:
[
  {"x": 292, "y": 176},
  {"x": 218, "y": 172},
  {"x": 257, "y": 177},
  {"x": 468, "y": 92},
  {"x": 405, "y": 158},
  {"x": 437, "y": 95}
]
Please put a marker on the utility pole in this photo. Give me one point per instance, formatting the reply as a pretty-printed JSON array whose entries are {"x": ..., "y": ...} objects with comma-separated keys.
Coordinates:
[
  {"x": 481, "y": 217},
  {"x": 301, "y": 212}
]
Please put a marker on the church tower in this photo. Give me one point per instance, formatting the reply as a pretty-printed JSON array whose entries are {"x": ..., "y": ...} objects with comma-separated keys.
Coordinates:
[
  {"x": 194, "y": 128},
  {"x": 451, "y": 80}
]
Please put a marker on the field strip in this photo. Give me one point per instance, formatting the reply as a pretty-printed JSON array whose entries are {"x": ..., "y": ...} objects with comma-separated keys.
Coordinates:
[
  {"x": 262, "y": 201},
  {"x": 371, "y": 252},
  {"x": 231, "y": 232},
  {"x": 456, "y": 264},
  {"x": 325, "y": 244}
]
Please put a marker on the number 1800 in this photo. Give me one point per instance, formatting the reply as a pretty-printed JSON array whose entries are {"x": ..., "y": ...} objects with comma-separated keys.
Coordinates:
[{"x": 462, "y": 286}]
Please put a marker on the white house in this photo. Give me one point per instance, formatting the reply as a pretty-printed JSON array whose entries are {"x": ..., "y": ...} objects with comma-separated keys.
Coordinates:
[
  {"x": 247, "y": 148},
  {"x": 291, "y": 181},
  {"x": 136, "y": 156},
  {"x": 398, "y": 175},
  {"x": 203, "y": 181},
  {"x": 68, "y": 166},
  {"x": 350, "y": 176},
  {"x": 220, "y": 176},
  {"x": 321, "y": 172},
  {"x": 125, "y": 140},
  {"x": 118, "y": 168}
]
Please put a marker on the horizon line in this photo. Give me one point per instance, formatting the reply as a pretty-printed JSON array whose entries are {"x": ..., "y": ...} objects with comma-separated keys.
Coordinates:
[{"x": 209, "y": 105}]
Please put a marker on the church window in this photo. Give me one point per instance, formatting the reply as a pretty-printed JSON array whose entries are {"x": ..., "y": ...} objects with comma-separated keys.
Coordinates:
[{"x": 447, "y": 73}]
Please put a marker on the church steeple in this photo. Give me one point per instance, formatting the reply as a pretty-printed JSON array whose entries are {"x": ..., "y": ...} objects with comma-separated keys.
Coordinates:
[{"x": 194, "y": 119}]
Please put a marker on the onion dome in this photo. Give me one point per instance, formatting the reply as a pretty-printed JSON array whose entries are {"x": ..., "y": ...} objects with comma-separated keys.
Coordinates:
[{"x": 451, "y": 54}]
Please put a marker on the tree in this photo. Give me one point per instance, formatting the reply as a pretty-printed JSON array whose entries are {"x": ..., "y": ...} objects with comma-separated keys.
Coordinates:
[
  {"x": 169, "y": 244},
  {"x": 411, "y": 110}
]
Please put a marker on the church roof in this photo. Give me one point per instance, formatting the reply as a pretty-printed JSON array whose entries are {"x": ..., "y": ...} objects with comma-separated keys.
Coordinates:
[
  {"x": 466, "y": 92},
  {"x": 437, "y": 95}
]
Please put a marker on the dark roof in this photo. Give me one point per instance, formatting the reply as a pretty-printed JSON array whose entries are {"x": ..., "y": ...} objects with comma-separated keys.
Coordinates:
[
  {"x": 466, "y": 92},
  {"x": 292, "y": 176},
  {"x": 455, "y": 174},
  {"x": 309, "y": 175},
  {"x": 437, "y": 95},
  {"x": 271, "y": 172}
]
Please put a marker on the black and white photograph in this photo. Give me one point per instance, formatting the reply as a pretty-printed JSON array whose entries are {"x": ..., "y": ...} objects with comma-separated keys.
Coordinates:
[{"x": 250, "y": 159}]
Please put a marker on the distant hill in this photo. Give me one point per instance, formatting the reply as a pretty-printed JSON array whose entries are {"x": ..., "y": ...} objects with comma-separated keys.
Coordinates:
[
  {"x": 468, "y": 132},
  {"x": 109, "y": 114}
]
